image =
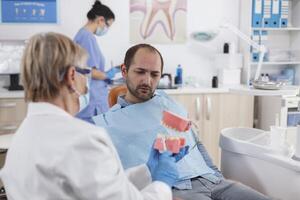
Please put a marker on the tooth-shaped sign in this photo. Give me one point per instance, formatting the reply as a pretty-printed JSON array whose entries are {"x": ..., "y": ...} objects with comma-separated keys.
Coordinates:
[{"x": 158, "y": 15}]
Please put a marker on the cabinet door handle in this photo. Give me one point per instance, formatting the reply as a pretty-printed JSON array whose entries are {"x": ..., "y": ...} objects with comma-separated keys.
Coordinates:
[
  {"x": 198, "y": 108},
  {"x": 8, "y": 128},
  {"x": 8, "y": 105},
  {"x": 208, "y": 110}
]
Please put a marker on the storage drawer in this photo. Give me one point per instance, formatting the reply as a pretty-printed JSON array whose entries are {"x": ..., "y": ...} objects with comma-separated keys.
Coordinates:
[
  {"x": 12, "y": 110},
  {"x": 9, "y": 127}
]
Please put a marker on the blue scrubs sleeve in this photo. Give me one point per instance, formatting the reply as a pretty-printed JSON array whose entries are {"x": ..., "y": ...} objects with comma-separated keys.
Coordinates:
[{"x": 88, "y": 44}]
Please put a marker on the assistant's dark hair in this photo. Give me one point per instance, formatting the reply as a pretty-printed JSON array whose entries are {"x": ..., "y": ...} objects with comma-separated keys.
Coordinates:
[
  {"x": 130, "y": 53},
  {"x": 98, "y": 10}
]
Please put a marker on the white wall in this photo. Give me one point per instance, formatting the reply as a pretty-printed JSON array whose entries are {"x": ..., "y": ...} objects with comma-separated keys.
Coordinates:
[{"x": 196, "y": 58}]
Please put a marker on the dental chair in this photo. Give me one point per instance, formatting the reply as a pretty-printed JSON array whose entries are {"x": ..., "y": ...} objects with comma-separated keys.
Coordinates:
[
  {"x": 112, "y": 100},
  {"x": 114, "y": 93}
]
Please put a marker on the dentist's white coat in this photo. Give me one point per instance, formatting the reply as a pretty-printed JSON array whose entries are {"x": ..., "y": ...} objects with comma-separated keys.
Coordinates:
[{"x": 56, "y": 156}]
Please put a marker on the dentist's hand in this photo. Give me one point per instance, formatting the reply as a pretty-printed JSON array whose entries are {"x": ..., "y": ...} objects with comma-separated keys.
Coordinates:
[
  {"x": 110, "y": 74},
  {"x": 163, "y": 166},
  {"x": 165, "y": 169}
]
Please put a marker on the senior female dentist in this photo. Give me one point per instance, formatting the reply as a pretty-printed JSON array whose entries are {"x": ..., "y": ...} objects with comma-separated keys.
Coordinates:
[
  {"x": 54, "y": 155},
  {"x": 100, "y": 18}
]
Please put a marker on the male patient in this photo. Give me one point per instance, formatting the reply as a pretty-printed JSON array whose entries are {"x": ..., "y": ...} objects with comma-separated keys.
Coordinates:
[{"x": 134, "y": 122}]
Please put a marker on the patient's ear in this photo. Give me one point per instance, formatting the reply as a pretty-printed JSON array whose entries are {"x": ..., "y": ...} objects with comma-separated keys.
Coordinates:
[{"x": 123, "y": 70}]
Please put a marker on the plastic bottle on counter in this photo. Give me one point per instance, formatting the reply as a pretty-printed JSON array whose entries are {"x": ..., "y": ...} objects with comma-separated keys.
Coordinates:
[
  {"x": 262, "y": 77},
  {"x": 226, "y": 48},
  {"x": 267, "y": 78},
  {"x": 178, "y": 77},
  {"x": 215, "y": 82}
]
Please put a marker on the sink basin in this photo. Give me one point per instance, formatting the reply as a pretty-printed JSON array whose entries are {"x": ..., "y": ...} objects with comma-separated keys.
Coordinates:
[
  {"x": 243, "y": 134},
  {"x": 247, "y": 157}
]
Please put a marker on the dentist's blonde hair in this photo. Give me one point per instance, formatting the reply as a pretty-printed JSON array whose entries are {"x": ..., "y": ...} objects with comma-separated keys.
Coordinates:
[{"x": 46, "y": 59}]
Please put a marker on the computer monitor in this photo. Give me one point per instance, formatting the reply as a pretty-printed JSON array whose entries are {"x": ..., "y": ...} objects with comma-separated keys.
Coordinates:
[{"x": 11, "y": 52}]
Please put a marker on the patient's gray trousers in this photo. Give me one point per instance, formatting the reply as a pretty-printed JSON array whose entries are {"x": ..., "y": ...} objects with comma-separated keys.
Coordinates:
[{"x": 225, "y": 190}]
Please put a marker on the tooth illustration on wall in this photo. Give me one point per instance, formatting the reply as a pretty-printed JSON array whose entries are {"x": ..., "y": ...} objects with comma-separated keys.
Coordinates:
[{"x": 158, "y": 21}]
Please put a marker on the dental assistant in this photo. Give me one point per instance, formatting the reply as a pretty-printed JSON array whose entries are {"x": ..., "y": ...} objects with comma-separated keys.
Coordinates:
[
  {"x": 54, "y": 155},
  {"x": 100, "y": 18}
]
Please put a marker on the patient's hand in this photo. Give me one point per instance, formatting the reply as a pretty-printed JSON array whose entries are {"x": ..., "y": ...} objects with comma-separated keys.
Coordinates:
[{"x": 183, "y": 151}]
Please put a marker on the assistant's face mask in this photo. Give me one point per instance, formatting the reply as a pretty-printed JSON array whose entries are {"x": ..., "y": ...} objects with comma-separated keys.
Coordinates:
[
  {"x": 84, "y": 99},
  {"x": 100, "y": 31}
]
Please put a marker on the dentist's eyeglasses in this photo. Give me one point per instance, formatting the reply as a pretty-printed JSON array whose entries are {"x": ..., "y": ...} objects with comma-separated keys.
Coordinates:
[
  {"x": 83, "y": 71},
  {"x": 107, "y": 24}
]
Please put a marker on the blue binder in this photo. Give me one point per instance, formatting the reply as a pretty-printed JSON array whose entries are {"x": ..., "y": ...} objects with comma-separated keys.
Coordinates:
[
  {"x": 284, "y": 13},
  {"x": 255, "y": 53},
  {"x": 275, "y": 18},
  {"x": 257, "y": 13},
  {"x": 267, "y": 13}
]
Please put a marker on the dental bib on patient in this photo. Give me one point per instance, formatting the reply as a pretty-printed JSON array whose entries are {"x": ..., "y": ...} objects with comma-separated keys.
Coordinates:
[{"x": 134, "y": 128}]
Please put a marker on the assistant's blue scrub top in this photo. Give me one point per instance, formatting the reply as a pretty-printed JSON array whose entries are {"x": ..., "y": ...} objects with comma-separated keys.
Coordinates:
[{"x": 98, "y": 88}]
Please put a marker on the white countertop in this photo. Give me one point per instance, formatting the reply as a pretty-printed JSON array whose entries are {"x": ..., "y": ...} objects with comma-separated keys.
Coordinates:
[
  {"x": 240, "y": 89},
  {"x": 200, "y": 90},
  {"x": 4, "y": 93},
  {"x": 284, "y": 91}
]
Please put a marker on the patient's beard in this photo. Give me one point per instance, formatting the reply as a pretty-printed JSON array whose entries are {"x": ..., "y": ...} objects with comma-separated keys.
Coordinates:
[{"x": 141, "y": 92}]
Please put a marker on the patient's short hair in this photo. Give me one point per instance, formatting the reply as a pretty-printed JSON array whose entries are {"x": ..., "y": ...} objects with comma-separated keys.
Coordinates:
[
  {"x": 46, "y": 59},
  {"x": 129, "y": 56}
]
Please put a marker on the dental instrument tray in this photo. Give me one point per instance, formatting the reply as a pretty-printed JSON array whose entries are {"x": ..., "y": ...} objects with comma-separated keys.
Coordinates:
[{"x": 267, "y": 85}]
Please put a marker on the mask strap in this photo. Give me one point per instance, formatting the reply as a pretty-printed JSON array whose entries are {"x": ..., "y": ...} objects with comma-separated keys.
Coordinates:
[{"x": 76, "y": 92}]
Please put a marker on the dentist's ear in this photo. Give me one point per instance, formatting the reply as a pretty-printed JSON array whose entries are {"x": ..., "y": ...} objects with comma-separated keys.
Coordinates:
[{"x": 70, "y": 77}]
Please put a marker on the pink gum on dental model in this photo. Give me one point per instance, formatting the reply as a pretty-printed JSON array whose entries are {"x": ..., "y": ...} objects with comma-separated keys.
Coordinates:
[
  {"x": 172, "y": 144},
  {"x": 176, "y": 122}
]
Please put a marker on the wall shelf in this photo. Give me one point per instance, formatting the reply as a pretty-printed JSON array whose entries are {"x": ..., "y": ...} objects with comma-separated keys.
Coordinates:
[
  {"x": 278, "y": 63},
  {"x": 279, "y": 38},
  {"x": 277, "y": 29}
]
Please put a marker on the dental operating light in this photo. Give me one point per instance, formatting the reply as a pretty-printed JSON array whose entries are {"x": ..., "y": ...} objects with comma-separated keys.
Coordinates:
[{"x": 205, "y": 36}]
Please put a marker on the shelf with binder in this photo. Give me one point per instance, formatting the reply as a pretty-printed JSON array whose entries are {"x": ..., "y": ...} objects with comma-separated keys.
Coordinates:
[
  {"x": 282, "y": 41},
  {"x": 279, "y": 63},
  {"x": 277, "y": 29}
]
